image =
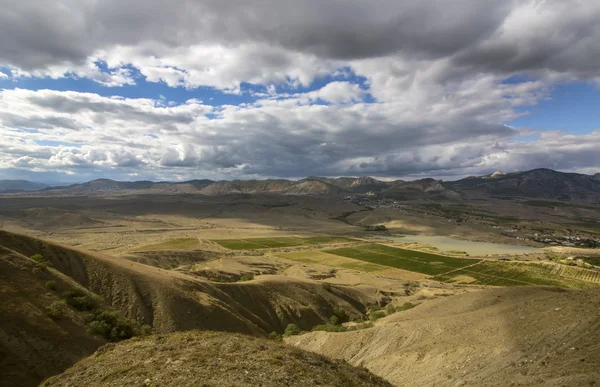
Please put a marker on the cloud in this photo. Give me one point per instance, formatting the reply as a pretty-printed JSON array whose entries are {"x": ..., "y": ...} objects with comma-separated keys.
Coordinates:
[
  {"x": 193, "y": 43},
  {"x": 277, "y": 137},
  {"x": 403, "y": 87}
]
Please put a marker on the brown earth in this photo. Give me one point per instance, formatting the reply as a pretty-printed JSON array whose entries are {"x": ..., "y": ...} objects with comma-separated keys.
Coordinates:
[
  {"x": 33, "y": 345},
  {"x": 497, "y": 337},
  {"x": 167, "y": 300},
  {"x": 210, "y": 359}
]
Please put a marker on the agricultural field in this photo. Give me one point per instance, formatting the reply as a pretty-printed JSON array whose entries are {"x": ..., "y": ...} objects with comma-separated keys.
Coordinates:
[
  {"x": 173, "y": 244},
  {"x": 321, "y": 258},
  {"x": 520, "y": 273},
  {"x": 420, "y": 262},
  {"x": 269, "y": 243}
]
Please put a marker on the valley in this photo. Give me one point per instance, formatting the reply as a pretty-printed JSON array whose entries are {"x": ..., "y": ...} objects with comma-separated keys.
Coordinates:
[{"x": 421, "y": 288}]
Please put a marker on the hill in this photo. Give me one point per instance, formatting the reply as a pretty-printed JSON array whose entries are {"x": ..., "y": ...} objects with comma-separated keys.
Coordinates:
[
  {"x": 32, "y": 344},
  {"x": 166, "y": 300},
  {"x": 496, "y": 337},
  {"x": 214, "y": 359},
  {"x": 537, "y": 183},
  {"x": 13, "y": 186},
  {"x": 49, "y": 218}
]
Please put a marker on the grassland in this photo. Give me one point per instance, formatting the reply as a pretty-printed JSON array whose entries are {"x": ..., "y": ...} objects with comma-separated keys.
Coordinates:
[
  {"x": 526, "y": 273},
  {"x": 321, "y": 258},
  {"x": 173, "y": 244},
  {"x": 420, "y": 262},
  {"x": 482, "y": 272},
  {"x": 268, "y": 243}
]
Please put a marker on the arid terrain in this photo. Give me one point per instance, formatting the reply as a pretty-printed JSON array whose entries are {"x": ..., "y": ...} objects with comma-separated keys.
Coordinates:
[{"x": 394, "y": 281}]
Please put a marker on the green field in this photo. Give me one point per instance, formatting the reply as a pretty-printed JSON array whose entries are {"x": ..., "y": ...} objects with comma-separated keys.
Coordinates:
[
  {"x": 268, "y": 243},
  {"x": 591, "y": 260},
  {"x": 417, "y": 261},
  {"x": 524, "y": 273}
]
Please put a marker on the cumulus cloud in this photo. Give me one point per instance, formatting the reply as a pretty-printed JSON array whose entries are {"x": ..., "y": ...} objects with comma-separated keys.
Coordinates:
[
  {"x": 404, "y": 87},
  {"x": 272, "y": 138}
]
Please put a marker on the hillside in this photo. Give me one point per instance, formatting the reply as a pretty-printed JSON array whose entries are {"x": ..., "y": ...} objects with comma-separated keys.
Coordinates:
[
  {"x": 13, "y": 186},
  {"x": 538, "y": 183},
  {"x": 524, "y": 336},
  {"x": 33, "y": 345},
  {"x": 164, "y": 299},
  {"x": 215, "y": 359}
]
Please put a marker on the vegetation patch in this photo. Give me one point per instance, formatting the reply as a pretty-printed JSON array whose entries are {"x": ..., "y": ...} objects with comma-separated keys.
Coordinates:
[
  {"x": 417, "y": 261},
  {"x": 57, "y": 309},
  {"x": 498, "y": 273},
  {"x": 39, "y": 263},
  {"x": 114, "y": 327},
  {"x": 268, "y": 243}
]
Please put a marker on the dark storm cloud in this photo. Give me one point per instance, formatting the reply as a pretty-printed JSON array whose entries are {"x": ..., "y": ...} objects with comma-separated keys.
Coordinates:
[{"x": 473, "y": 33}]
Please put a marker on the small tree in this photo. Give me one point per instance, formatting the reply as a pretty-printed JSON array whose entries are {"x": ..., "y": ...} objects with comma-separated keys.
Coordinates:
[
  {"x": 291, "y": 330},
  {"x": 39, "y": 263}
]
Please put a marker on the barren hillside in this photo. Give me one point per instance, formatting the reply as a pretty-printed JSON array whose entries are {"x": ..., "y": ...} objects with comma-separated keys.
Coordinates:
[
  {"x": 498, "y": 337},
  {"x": 212, "y": 359}
]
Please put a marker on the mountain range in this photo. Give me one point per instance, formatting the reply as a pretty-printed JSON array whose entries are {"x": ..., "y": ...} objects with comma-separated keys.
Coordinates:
[{"x": 537, "y": 183}]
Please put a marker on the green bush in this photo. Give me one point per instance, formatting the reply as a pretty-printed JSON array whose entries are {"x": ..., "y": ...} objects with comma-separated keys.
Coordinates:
[
  {"x": 291, "y": 330},
  {"x": 57, "y": 309},
  {"x": 390, "y": 309},
  {"x": 247, "y": 277},
  {"x": 377, "y": 315},
  {"x": 112, "y": 326},
  {"x": 51, "y": 285},
  {"x": 80, "y": 300},
  {"x": 274, "y": 336},
  {"x": 39, "y": 263},
  {"x": 329, "y": 328}
]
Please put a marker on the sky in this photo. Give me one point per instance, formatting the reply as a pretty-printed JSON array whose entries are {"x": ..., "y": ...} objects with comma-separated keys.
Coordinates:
[{"x": 241, "y": 89}]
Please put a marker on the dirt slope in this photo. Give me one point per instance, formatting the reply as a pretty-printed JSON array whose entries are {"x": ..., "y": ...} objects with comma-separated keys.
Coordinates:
[
  {"x": 209, "y": 359},
  {"x": 173, "y": 301},
  {"x": 32, "y": 345},
  {"x": 497, "y": 337}
]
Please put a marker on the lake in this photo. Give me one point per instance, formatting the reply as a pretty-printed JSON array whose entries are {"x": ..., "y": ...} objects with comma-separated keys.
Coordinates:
[{"x": 443, "y": 243}]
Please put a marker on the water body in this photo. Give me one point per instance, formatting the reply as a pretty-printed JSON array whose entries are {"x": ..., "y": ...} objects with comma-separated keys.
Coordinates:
[{"x": 472, "y": 248}]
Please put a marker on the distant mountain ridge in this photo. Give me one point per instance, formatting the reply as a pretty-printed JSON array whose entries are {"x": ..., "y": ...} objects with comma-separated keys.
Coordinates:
[
  {"x": 13, "y": 186},
  {"x": 537, "y": 183}
]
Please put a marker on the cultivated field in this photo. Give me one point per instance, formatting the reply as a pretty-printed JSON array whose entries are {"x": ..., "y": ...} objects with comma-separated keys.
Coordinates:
[
  {"x": 525, "y": 273},
  {"x": 417, "y": 261},
  {"x": 268, "y": 243}
]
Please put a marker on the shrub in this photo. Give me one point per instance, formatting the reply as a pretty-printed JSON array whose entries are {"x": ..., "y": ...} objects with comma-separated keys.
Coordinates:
[
  {"x": 329, "y": 328},
  {"x": 57, "y": 309},
  {"x": 80, "y": 300},
  {"x": 39, "y": 263},
  {"x": 275, "y": 336},
  {"x": 247, "y": 277},
  {"x": 341, "y": 315},
  {"x": 112, "y": 326},
  {"x": 335, "y": 320},
  {"x": 51, "y": 285},
  {"x": 374, "y": 308},
  {"x": 291, "y": 330},
  {"x": 377, "y": 315},
  {"x": 390, "y": 309}
]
